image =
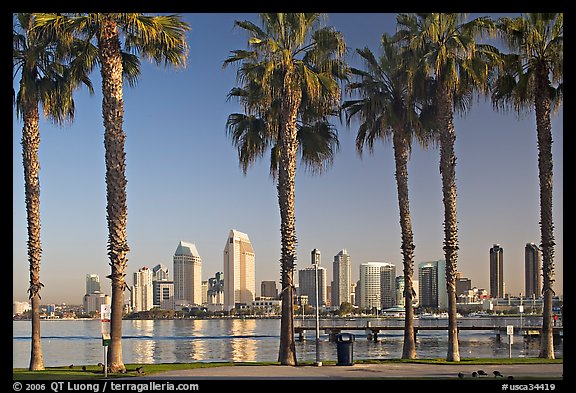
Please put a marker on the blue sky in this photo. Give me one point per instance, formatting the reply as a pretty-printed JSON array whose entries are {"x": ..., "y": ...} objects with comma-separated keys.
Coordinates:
[{"x": 185, "y": 183}]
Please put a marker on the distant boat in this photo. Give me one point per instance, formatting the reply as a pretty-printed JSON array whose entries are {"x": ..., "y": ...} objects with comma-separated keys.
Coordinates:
[{"x": 442, "y": 315}]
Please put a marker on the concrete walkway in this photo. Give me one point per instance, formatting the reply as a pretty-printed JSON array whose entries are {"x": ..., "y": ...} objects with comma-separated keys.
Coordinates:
[{"x": 363, "y": 371}]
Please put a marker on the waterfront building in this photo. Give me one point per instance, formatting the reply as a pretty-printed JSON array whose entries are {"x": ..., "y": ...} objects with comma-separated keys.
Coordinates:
[
  {"x": 307, "y": 281},
  {"x": 399, "y": 286},
  {"x": 387, "y": 285},
  {"x": 160, "y": 273},
  {"x": 216, "y": 290},
  {"x": 163, "y": 293},
  {"x": 432, "y": 284},
  {"x": 239, "y": 271},
  {"x": 268, "y": 289},
  {"x": 142, "y": 294},
  {"x": 341, "y": 278},
  {"x": 93, "y": 301},
  {"x": 532, "y": 268},
  {"x": 20, "y": 307},
  {"x": 496, "y": 271},
  {"x": 187, "y": 275},
  {"x": 353, "y": 293},
  {"x": 371, "y": 284},
  {"x": 92, "y": 283},
  {"x": 463, "y": 285}
]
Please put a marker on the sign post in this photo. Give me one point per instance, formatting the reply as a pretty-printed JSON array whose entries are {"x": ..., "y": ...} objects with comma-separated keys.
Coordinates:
[
  {"x": 510, "y": 332},
  {"x": 105, "y": 312}
]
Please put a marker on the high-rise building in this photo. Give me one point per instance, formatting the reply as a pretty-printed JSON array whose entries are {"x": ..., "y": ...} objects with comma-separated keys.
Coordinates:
[
  {"x": 268, "y": 289},
  {"x": 307, "y": 281},
  {"x": 387, "y": 285},
  {"x": 162, "y": 288},
  {"x": 341, "y": 278},
  {"x": 463, "y": 285},
  {"x": 239, "y": 270},
  {"x": 532, "y": 267},
  {"x": 371, "y": 284},
  {"x": 432, "y": 284},
  {"x": 92, "y": 283},
  {"x": 142, "y": 295},
  {"x": 160, "y": 273},
  {"x": 496, "y": 271},
  {"x": 216, "y": 289},
  {"x": 400, "y": 300},
  {"x": 187, "y": 275},
  {"x": 93, "y": 301}
]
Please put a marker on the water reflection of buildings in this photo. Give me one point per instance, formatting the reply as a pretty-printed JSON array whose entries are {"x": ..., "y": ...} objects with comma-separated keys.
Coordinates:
[
  {"x": 199, "y": 346},
  {"x": 143, "y": 348},
  {"x": 243, "y": 348}
]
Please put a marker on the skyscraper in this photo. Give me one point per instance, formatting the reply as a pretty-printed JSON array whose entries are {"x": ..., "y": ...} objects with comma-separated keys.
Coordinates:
[
  {"x": 187, "y": 275},
  {"x": 532, "y": 267},
  {"x": 92, "y": 283},
  {"x": 496, "y": 271},
  {"x": 387, "y": 286},
  {"x": 432, "y": 290},
  {"x": 162, "y": 288},
  {"x": 341, "y": 277},
  {"x": 142, "y": 294},
  {"x": 239, "y": 270},
  {"x": 371, "y": 284},
  {"x": 307, "y": 281}
]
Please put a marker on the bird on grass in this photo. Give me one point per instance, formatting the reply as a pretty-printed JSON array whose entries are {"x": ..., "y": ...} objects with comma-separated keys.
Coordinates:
[
  {"x": 71, "y": 366},
  {"x": 474, "y": 374},
  {"x": 140, "y": 370},
  {"x": 497, "y": 374},
  {"x": 482, "y": 372},
  {"x": 100, "y": 364},
  {"x": 460, "y": 375},
  {"x": 83, "y": 368}
]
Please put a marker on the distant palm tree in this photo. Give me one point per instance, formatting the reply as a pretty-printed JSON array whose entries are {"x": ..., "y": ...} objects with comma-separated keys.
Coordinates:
[
  {"x": 533, "y": 78},
  {"x": 289, "y": 72},
  {"x": 158, "y": 38},
  {"x": 389, "y": 108},
  {"x": 45, "y": 80},
  {"x": 459, "y": 66}
]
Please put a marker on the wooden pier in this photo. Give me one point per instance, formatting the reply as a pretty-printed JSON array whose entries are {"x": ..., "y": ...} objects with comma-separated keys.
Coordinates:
[{"x": 529, "y": 328}]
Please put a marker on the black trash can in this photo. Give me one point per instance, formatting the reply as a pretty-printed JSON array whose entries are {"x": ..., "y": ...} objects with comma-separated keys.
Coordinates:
[{"x": 345, "y": 349}]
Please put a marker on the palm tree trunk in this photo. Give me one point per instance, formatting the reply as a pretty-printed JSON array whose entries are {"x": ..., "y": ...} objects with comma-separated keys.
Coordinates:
[
  {"x": 30, "y": 145},
  {"x": 114, "y": 137},
  {"x": 448, "y": 172},
  {"x": 288, "y": 145},
  {"x": 543, "y": 128},
  {"x": 401, "y": 158}
]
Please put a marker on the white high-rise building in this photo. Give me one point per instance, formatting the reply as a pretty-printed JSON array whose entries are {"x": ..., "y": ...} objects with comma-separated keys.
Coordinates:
[
  {"x": 371, "y": 285},
  {"x": 142, "y": 296},
  {"x": 187, "y": 275},
  {"x": 341, "y": 278},
  {"x": 239, "y": 270}
]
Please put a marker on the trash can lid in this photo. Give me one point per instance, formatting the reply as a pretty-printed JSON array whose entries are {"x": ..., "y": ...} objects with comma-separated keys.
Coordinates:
[{"x": 342, "y": 337}]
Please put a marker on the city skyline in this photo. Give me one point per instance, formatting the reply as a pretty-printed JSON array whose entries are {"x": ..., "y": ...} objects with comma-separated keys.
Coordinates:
[{"x": 184, "y": 180}]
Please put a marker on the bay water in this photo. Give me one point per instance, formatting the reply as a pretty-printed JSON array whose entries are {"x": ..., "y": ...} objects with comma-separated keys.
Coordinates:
[{"x": 78, "y": 342}]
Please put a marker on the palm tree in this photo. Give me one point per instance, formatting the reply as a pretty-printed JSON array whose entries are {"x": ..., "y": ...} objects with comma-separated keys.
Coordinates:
[
  {"x": 157, "y": 38},
  {"x": 459, "y": 66},
  {"x": 533, "y": 78},
  {"x": 289, "y": 72},
  {"x": 389, "y": 109},
  {"x": 47, "y": 81}
]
